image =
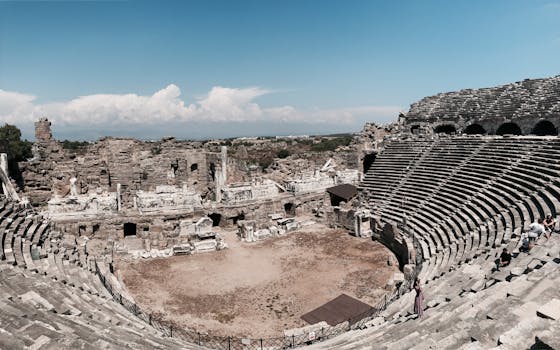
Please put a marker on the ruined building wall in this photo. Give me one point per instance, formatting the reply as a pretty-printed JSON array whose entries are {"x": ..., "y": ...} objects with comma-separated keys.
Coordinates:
[
  {"x": 524, "y": 103},
  {"x": 136, "y": 165}
]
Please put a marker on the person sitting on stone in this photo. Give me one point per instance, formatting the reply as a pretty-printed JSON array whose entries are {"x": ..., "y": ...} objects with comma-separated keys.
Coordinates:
[
  {"x": 549, "y": 224},
  {"x": 504, "y": 260},
  {"x": 536, "y": 229}
]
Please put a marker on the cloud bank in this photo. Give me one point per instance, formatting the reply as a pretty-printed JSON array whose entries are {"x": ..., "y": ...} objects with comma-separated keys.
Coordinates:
[{"x": 221, "y": 105}]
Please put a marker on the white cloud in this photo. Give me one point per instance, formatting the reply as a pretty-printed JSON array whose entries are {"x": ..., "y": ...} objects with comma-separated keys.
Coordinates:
[{"x": 220, "y": 104}]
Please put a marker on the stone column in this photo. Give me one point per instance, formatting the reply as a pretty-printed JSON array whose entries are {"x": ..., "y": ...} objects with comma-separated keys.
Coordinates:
[
  {"x": 221, "y": 175},
  {"x": 119, "y": 203}
]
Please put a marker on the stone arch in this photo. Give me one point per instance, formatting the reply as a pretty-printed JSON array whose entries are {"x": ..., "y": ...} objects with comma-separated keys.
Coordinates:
[
  {"x": 509, "y": 128},
  {"x": 290, "y": 209},
  {"x": 445, "y": 129},
  {"x": 415, "y": 129},
  {"x": 544, "y": 128},
  {"x": 474, "y": 129},
  {"x": 216, "y": 219}
]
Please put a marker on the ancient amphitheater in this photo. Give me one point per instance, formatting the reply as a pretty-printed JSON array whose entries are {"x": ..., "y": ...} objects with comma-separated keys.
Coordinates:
[{"x": 446, "y": 188}]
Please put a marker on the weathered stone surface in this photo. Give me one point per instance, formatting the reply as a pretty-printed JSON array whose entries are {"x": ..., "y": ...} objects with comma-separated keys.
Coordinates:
[
  {"x": 523, "y": 103},
  {"x": 550, "y": 310}
]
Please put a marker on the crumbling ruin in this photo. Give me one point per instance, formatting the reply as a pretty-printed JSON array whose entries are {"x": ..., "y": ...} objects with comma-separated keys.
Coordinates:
[{"x": 444, "y": 195}]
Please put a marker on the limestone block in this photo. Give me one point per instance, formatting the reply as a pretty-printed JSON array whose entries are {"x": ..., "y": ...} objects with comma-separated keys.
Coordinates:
[
  {"x": 204, "y": 225},
  {"x": 292, "y": 226},
  {"x": 205, "y": 246},
  {"x": 186, "y": 228},
  {"x": 550, "y": 310},
  {"x": 36, "y": 299},
  {"x": 262, "y": 234}
]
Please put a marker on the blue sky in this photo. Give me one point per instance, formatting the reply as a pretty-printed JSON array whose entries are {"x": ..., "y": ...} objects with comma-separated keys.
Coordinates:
[{"x": 197, "y": 69}]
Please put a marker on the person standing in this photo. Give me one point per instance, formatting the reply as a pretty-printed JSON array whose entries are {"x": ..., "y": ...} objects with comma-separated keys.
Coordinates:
[{"x": 419, "y": 299}]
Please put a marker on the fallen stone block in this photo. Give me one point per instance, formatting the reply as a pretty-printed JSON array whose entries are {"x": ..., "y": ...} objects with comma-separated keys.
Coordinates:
[{"x": 550, "y": 310}]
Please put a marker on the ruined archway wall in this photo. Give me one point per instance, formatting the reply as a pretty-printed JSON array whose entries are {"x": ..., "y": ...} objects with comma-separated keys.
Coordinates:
[
  {"x": 524, "y": 103},
  {"x": 135, "y": 164}
]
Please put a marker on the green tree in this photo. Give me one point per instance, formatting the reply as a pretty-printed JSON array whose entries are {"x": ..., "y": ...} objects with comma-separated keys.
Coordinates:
[
  {"x": 12, "y": 144},
  {"x": 16, "y": 149}
]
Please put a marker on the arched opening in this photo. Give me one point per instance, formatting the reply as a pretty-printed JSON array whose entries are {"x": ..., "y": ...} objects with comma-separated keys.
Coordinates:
[
  {"x": 368, "y": 161},
  {"x": 445, "y": 129},
  {"x": 474, "y": 129},
  {"x": 290, "y": 209},
  {"x": 194, "y": 167},
  {"x": 216, "y": 219},
  {"x": 235, "y": 219},
  {"x": 129, "y": 229},
  {"x": 508, "y": 128},
  {"x": 544, "y": 128},
  {"x": 415, "y": 129}
]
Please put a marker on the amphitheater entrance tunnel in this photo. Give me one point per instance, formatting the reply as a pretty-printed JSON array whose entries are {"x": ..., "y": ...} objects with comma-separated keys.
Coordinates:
[
  {"x": 445, "y": 129},
  {"x": 544, "y": 128},
  {"x": 474, "y": 129},
  {"x": 508, "y": 128},
  {"x": 129, "y": 229}
]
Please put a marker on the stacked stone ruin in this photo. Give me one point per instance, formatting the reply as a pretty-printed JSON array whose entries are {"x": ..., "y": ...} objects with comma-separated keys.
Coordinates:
[
  {"x": 450, "y": 204},
  {"x": 524, "y": 103}
]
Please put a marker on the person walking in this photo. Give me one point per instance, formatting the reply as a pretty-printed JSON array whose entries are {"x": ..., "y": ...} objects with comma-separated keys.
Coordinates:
[{"x": 419, "y": 299}]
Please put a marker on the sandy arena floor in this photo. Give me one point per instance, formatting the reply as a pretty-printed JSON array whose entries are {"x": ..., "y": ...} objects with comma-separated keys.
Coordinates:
[{"x": 260, "y": 289}]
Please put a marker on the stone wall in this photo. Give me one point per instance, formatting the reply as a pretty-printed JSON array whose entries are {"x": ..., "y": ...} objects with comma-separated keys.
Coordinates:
[
  {"x": 524, "y": 103},
  {"x": 136, "y": 165}
]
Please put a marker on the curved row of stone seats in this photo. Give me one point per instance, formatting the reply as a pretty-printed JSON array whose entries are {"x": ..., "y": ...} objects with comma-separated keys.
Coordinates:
[
  {"x": 38, "y": 312},
  {"x": 58, "y": 301},
  {"x": 432, "y": 205},
  {"x": 474, "y": 307},
  {"x": 22, "y": 232}
]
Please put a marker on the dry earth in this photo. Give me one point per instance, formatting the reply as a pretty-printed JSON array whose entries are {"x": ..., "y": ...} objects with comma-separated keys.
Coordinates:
[{"x": 260, "y": 289}]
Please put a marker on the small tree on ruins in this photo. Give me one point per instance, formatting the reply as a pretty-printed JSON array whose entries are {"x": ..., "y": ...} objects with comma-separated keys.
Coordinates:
[{"x": 16, "y": 148}]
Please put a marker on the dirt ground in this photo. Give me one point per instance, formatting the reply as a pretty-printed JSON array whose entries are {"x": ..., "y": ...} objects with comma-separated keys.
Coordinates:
[{"x": 259, "y": 289}]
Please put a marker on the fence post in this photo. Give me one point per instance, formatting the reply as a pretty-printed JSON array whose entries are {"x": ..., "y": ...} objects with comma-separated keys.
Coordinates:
[
  {"x": 349, "y": 328},
  {"x": 293, "y": 340},
  {"x": 261, "y": 344},
  {"x": 171, "y": 331},
  {"x": 150, "y": 319},
  {"x": 199, "y": 342},
  {"x": 229, "y": 343}
]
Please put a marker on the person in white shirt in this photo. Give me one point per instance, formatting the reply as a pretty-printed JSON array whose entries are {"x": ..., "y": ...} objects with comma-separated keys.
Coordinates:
[{"x": 536, "y": 229}]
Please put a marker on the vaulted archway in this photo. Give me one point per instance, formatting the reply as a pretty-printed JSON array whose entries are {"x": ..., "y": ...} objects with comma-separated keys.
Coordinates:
[
  {"x": 508, "y": 128},
  {"x": 445, "y": 129},
  {"x": 544, "y": 128},
  {"x": 474, "y": 129}
]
